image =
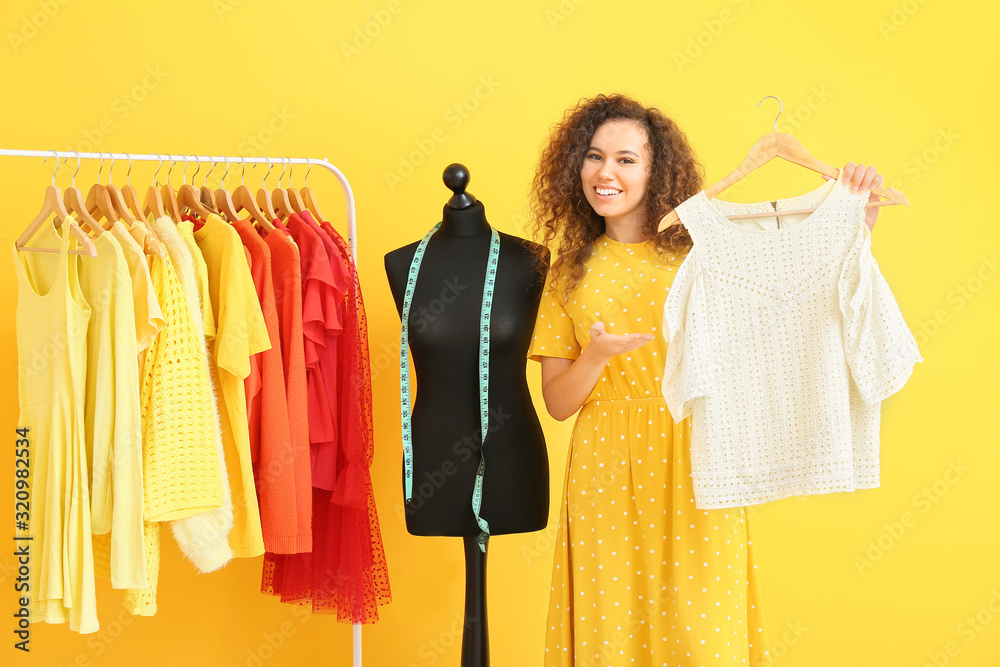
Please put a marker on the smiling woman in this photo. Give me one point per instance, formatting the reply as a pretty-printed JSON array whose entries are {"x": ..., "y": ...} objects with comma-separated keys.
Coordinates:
[{"x": 641, "y": 577}]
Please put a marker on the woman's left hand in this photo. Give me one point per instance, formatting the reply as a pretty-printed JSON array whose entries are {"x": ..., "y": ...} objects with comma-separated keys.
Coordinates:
[{"x": 858, "y": 177}]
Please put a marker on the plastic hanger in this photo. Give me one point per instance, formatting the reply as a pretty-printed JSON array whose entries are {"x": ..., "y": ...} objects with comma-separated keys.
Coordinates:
[
  {"x": 53, "y": 203},
  {"x": 99, "y": 202},
  {"x": 293, "y": 195},
  {"x": 154, "y": 198},
  {"x": 224, "y": 200},
  {"x": 170, "y": 197},
  {"x": 787, "y": 147},
  {"x": 244, "y": 201},
  {"x": 73, "y": 199},
  {"x": 309, "y": 198},
  {"x": 189, "y": 196},
  {"x": 264, "y": 197},
  {"x": 282, "y": 206}
]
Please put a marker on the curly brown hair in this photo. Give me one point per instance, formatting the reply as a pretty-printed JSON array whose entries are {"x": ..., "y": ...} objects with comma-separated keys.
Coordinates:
[{"x": 565, "y": 221}]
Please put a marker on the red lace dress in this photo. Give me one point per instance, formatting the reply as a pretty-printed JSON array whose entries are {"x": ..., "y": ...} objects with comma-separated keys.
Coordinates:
[{"x": 345, "y": 573}]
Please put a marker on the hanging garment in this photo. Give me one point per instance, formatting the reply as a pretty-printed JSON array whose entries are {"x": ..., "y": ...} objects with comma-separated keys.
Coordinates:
[
  {"x": 319, "y": 320},
  {"x": 148, "y": 316},
  {"x": 51, "y": 321},
  {"x": 346, "y": 572},
  {"x": 179, "y": 432},
  {"x": 240, "y": 333},
  {"x": 267, "y": 412},
  {"x": 203, "y": 537},
  {"x": 185, "y": 228},
  {"x": 287, "y": 278},
  {"x": 636, "y": 563},
  {"x": 783, "y": 344}
]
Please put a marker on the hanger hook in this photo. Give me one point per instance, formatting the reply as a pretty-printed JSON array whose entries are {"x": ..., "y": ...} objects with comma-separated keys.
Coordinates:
[
  {"x": 222, "y": 182},
  {"x": 291, "y": 168},
  {"x": 128, "y": 174},
  {"x": 184, "y": 171},
  {"x": 211, "y": 168},
  {"x": 283, "y": 167},
  {"x": 305, "y": 181},
  {"x": 270, "y": 166},
  {"x": 55, "y": 154},
  {"x": 170, "y": 169},
  {"x": 781, "y": 108},
  {"x": 243, "y": 174},
  {"x": 112, "y": 167},
  {"x": 198, "y": 160},
  {"x": 158, "y": 167},
  {"x": 78, "y": 162},
  {"x": 101, "y": 168}
]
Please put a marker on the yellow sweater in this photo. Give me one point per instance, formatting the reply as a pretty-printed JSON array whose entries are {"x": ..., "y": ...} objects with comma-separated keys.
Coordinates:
[{"x": 181, "y": 474}]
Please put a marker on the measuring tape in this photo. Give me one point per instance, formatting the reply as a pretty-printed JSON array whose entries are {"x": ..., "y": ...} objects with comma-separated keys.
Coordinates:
[{"x": 484, "y": 373}]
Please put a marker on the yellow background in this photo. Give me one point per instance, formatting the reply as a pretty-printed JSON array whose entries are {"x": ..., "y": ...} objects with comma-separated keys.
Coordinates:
[{"x": 880, "y": 577}]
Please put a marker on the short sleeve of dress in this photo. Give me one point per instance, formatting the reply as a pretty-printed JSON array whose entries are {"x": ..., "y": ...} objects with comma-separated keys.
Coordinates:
[
  {"x": 880, "y": 348},
  {"x": 554, "y": 334}
]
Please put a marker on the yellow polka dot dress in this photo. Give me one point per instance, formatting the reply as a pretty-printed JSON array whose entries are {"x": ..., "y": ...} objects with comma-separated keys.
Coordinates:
[{"x": 640, "y": 576}]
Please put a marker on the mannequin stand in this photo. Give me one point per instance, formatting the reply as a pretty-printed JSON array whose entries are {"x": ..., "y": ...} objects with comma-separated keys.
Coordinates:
[{"x": 475, "y": 638}]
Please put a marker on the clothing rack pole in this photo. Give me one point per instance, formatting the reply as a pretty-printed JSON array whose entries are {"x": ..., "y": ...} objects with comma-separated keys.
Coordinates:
[{"x": 219, "y": 159}]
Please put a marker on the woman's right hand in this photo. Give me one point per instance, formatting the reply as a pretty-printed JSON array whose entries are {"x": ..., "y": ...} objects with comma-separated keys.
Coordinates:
[{"x": 604, "y": 345}]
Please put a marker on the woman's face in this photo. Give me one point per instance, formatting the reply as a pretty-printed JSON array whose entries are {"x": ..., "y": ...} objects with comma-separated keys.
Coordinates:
[{"x": 616, "y": 171}]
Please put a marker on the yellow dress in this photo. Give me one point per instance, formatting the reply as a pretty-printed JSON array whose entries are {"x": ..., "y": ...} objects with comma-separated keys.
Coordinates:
[
  {"x": 640, "y": 576},
  {"x": 52, "y": 320}
]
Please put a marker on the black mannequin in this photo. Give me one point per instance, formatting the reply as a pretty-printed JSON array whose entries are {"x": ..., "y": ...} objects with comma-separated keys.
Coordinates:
[{"x": 444, "y": 343}]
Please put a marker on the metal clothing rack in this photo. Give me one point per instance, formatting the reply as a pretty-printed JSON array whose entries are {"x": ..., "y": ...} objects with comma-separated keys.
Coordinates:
[{"x": 220, "y": 159}]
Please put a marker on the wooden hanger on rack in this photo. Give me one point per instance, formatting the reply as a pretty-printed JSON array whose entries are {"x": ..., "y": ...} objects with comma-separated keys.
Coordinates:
[
  {"x": 309, "y": 198},
  {"x": 154, "y": 198},
  {"x": 170, "y": 197},
  {"x": 224, "y": 200},
  {"x": 787, "y": 147},
  {"x": 189, "y": 197},
  {"x": 264, "y": 197},
  {"x": 73, "y": 199},
  {"x": 53, "y": 203},
  {"x": 282, "y": 205},
  {"x": 117, "y": 197},
  {"x": 294, "y": 198},
  {"x": 207, "y": 196},
  {"x": 244, "y": 201},
  {"x": 99, "y": 203}
]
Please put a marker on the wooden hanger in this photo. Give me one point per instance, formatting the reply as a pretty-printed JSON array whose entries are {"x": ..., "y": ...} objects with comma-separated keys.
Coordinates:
[
  {"x": 244, "y": 201},
  {"x": 207, "y": 196},
  {"x": 170, "y": 197},
  {"x": 189, "y": 197},
  {"x": 294, "y": 198},
  {"x": 282, "y": 205},
  {"x": 787, "y": 147},
  {"x": 118, "y": 198},
  {"x": 130, "y": 195},
  {"x": 264, "y": 197},
  {"x": 53, "y": 203},
  {"x": 73, "y": 199},
  {"x": 309, "y": 199},
  {"x": 154, "y": 198},
  {"x": 224, "y": 200},
  {"x": 99, "y": 203}
]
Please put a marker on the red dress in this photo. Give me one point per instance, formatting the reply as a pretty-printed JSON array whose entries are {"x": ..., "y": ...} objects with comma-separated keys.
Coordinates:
[{"x": 346, "y": 571}]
